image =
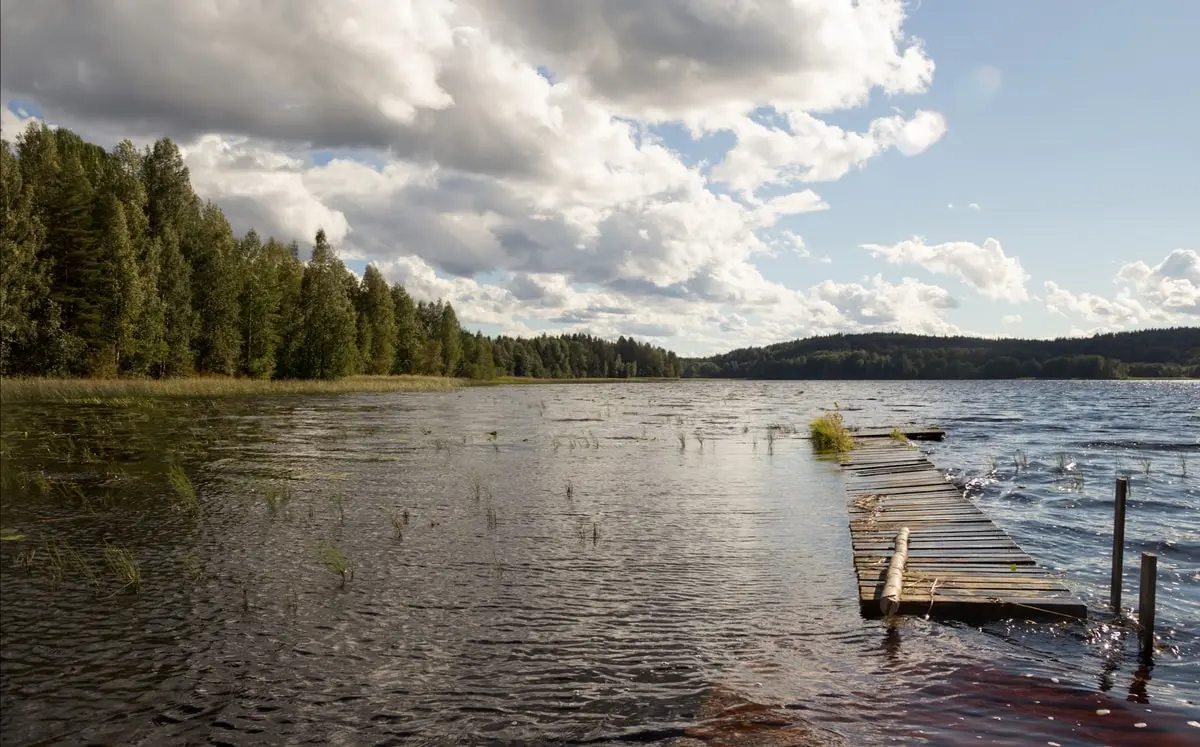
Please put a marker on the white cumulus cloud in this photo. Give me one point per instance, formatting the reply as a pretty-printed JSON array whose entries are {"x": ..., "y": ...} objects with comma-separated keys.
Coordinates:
[{"x": 985, "y": 267}]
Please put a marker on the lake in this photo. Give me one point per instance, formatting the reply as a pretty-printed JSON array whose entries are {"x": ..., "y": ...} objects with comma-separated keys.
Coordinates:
[{"x": 574, "y": 564}]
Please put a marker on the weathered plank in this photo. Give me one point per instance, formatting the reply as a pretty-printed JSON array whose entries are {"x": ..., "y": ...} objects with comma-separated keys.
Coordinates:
[{"x": 958, "y": 563}]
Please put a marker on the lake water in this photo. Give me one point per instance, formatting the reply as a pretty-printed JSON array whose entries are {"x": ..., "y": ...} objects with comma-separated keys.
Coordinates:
[{"x": 550, "y": 565}]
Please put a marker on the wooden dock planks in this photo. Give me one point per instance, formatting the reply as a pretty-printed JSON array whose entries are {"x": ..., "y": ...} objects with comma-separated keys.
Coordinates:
[{"x": 960, "y": 565}]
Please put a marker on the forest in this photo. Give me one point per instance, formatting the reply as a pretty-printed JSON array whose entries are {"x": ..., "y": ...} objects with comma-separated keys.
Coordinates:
[
  {"x": 112, "y": 266},
  {"x": 1153, "y": 353}
]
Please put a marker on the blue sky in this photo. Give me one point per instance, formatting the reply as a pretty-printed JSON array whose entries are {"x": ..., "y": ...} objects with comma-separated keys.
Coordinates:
[{"x": 491, "y": 153}]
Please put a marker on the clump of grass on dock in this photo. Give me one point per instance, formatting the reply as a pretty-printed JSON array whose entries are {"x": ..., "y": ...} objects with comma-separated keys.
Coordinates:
[
  {"x": 829, "y": 434},
  {"x": 898, "y": 435},
  {"x": 135, "y": 391}
]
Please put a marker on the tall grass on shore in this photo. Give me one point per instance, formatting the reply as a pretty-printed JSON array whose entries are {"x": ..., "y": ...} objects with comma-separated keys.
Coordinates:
[
  {"x": 829, "y": 434},
  {"x": 130, "y": 391}
]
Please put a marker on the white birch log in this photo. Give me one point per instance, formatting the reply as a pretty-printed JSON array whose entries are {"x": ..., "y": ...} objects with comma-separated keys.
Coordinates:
[{"x": 889, "y": 603}]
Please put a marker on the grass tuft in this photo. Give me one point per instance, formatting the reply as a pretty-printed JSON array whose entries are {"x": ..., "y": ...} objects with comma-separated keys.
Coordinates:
[
  {"x": 336, "y": 562},
  {"x": 124, "y": 566},
  {"x": 829, "y": 434},
  {"x": 183, "y": 489},
  {"x": 898, "y": 435}
]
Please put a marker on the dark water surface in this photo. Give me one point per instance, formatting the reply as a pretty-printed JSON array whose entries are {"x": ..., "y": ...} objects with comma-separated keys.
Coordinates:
[{"x": 577, "y": 577}]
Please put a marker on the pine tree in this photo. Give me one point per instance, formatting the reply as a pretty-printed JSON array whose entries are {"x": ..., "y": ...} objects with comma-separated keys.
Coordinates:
[
  {"x": 328, "y": 330},
  {"x": 215, "y": 291},
  {"x": 120, "y": 298},
  {"x": 408, "y": 332},
  {"x": 21, "y": 237},
  {"x": 289, "y": 280},
  {"x": 70, "y": 241},
  {"x": 450, "y": 335},
  {"x": 175, "y": 292},
  {"x": 377, "y": 326},
  {"x": 259, "y": 308}
]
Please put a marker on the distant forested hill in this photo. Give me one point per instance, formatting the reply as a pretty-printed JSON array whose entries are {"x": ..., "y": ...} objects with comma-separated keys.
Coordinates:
[{"x": 1171, "y": 352}]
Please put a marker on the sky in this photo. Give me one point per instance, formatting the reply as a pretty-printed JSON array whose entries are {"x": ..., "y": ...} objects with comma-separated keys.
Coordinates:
[{"x": 701, "y": 174}]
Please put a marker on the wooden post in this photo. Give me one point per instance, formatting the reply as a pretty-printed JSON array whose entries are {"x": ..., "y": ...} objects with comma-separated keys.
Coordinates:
[
  {"x": 1146, "y": 592},
  {"x": 889, "y": 603},
  {"x": 1118, "y": 553}
]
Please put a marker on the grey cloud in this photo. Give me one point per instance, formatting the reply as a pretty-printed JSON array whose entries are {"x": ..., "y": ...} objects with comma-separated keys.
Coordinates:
[{"x": 672, "y": 54}]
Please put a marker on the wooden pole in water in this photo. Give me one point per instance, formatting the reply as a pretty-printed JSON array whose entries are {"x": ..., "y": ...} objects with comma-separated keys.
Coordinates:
[
  {"x": 1146, "y": 593},
  {"x": 1118, "y": 553},
  {"x": 889, "y": 603}
]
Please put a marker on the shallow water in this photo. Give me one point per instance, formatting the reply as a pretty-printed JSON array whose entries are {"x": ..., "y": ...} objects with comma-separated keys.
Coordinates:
[{"x": 578, "y": 577}]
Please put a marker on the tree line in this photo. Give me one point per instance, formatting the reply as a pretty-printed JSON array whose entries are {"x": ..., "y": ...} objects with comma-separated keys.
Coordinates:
[
  {"x": 112, "y": 266},
  {"x": 1152, "y": 353}
]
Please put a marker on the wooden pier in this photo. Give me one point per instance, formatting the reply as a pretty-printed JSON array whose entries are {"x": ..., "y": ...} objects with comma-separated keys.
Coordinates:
[{"x": 959, "y": 564}]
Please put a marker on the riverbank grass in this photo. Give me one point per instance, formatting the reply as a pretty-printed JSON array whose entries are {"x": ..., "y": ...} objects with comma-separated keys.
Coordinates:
[
  {"x": 131, "y": 391},
  {"x": 829, "y": 434}
]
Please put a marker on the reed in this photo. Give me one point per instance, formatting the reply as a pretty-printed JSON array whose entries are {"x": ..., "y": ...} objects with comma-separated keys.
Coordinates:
[
  {"x": 1183, "y": 464},
  {"x": 124, "y": 566},
  {"x": 829, "y": 434},
  {"x": 336, "y": 562},
  {"x": 56, "y": 561},
  {"x": 682, "y": 437},
  {"x": 770, "y": 441},
  {"x": 476, "y": 489},
  {"x": 1146, "y": 464},
  {"x": 570, "y": 490},
  {"x": 700, "y": 439},
  {"x": 194, "y": 570},
  {"x": 492, "y": 519},
  {"x": 184, "y": 492},
  {"x": 398, "y": 522},
  {"x": 130, "y": 392}
]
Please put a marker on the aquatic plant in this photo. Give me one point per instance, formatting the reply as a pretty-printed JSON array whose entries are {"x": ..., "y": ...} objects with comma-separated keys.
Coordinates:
[
  {"x": 1145, "y": 461},
  {"x": 194, "y": 570},
  {"x": 10, "y": 535},
  {"x": 682, "y": 440},
  {"x": 829, "y": 434},
  {"x": 990, "y": 465},
  {"x": 336, "y": 562},
  {"x": 770, "y": 441},
  {"x": 278, "y": 497},
  {"x": 570, "y": 490},
  {"x": 490, "y": 514},
  {"x": 1020, "y": 462},
  {"x": 1183, "y": 464},
  {"x": 476, "y": 488},
  {"x": 700, "y": 439},
  {"x": 124, "y": 566},
  {"x": 398, "y": 522},
  {"x": 56, "y": 561},
  {"x": 184, "y": 491}
]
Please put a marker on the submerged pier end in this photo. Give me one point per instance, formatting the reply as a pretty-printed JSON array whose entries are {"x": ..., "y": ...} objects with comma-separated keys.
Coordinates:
[{"x": 954, "y": 562}]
